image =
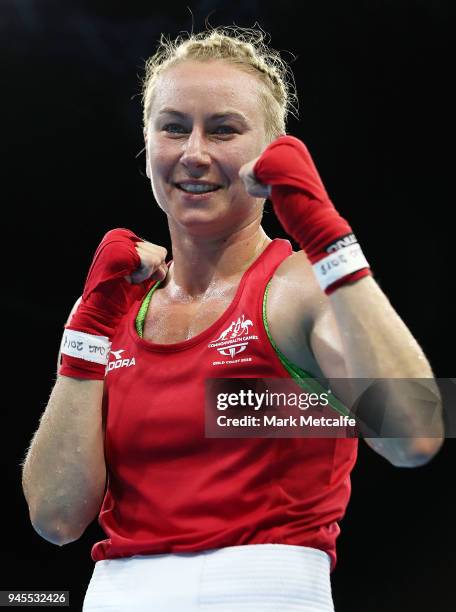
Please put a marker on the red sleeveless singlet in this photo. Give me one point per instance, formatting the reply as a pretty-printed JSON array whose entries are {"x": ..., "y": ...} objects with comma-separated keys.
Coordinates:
[{"x": 169, "y": 488}]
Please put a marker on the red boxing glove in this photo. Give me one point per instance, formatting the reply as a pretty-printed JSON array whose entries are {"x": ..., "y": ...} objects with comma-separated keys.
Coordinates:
[
  {"x": 106, "y": 298},
  {"x": 304, "y": 209}
]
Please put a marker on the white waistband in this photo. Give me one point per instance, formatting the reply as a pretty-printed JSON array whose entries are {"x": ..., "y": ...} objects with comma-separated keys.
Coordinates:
[{"x": 253, "y": 578}]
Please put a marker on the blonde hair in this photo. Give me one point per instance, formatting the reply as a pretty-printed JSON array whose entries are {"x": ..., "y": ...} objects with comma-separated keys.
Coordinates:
[{"x": 243, "y": 47}]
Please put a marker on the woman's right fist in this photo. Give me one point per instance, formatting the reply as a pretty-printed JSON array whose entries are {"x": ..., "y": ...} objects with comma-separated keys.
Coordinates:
[{"x": 106, "y": 299}]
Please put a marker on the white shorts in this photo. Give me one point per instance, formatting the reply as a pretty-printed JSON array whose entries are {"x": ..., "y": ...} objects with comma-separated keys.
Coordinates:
[{"x": 253, "y": 578}]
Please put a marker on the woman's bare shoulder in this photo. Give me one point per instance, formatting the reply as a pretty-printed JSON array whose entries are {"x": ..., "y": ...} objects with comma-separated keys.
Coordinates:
[
  {"x": 294, "y": 285},
  {"x": 294, "y": 298}
]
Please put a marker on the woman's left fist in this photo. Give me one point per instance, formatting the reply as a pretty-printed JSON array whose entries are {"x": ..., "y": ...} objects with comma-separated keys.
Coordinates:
[{"x": 251, "y": 183}]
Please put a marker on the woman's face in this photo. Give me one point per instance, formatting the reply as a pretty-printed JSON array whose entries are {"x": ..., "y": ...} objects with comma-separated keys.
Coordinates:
[{"x": 205, "y": 122}]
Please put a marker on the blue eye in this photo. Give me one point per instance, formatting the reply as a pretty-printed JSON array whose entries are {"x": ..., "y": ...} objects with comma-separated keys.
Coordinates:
[
  {"x": 226, "y": 127},
  {"x": 171, "y": 127}
]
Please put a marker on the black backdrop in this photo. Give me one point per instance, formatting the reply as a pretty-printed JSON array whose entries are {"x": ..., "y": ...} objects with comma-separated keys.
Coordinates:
[{"x": 373, "y": 79}]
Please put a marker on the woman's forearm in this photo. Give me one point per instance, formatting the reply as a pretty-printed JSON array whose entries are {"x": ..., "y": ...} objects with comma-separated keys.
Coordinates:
[
  {"x": 64, "y": 472},
  {"x": 376, "y": 341},
  {"x": 378, "y": 345}
]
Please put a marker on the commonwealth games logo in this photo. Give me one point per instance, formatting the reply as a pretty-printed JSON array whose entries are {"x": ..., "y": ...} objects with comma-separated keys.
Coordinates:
[{"x": 235, "y": 338}]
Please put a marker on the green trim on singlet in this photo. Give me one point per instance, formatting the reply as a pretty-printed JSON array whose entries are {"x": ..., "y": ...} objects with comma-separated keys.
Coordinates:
[
  {"x": 141, "y": 316},
  {"x": 300, "y": 376}
]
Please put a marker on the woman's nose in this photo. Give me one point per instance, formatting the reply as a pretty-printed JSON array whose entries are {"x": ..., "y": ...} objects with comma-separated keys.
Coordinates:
[{"x": 195, "y": 152}]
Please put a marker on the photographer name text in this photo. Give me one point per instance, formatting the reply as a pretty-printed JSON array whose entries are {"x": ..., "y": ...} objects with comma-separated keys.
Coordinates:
[{"x": 290, "y": 421}]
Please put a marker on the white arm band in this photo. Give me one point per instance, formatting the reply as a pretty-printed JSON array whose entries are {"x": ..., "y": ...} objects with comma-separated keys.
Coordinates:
[
  {"x": 342, "y": 262},
  {"x": 85, "y": 346}
]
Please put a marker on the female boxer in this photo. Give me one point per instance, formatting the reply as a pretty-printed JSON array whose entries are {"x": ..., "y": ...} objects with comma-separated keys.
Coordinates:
[{"x": 191, "y": 522}]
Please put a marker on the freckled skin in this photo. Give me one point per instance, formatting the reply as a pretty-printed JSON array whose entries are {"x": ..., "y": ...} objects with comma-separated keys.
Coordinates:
[{"x": 198, "y": 148}]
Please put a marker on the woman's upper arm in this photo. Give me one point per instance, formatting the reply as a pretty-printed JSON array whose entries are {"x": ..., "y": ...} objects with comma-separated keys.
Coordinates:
[{"x": 326, "y": 343}]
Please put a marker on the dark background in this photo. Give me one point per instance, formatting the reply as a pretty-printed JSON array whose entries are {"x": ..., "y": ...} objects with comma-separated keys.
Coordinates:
[{"x": 373, "y": 80}]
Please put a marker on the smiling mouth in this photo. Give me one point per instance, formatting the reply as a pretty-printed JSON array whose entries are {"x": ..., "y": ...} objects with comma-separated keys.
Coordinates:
[{"x": 198, "y": 189}]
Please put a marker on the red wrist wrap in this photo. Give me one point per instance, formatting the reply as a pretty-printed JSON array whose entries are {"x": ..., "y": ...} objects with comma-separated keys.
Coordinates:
[
  {"x": 302, "y": 204},
  {"x": 106, "y": 298}
]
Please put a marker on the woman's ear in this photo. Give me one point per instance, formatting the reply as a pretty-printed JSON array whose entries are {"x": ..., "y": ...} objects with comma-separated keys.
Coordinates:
[
  {"x": 147, "y": 166},
  {"x": 147, "y": 155}
]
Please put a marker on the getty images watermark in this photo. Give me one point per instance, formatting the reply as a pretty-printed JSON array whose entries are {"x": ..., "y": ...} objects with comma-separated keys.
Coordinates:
[{"x": 347, "y": 408}]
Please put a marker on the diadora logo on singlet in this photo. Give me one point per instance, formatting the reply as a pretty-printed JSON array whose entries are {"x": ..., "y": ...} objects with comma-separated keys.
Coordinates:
[
  {"x": 118, "y": 360},
  {"x": 234, "y": 340}
]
